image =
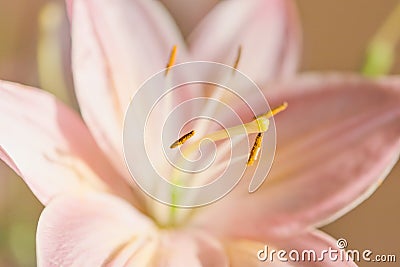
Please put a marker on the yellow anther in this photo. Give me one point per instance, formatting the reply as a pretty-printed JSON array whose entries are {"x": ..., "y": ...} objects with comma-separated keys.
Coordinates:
[
  {"x": 182, "y": 140},
  {"x": 172, "y": 57},
  {"x": 239, "y": 54},
  {"x": 255, "y": 151}
]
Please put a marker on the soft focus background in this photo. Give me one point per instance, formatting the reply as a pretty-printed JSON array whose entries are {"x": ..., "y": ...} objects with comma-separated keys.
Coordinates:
[{"x": 34, "y": 47}]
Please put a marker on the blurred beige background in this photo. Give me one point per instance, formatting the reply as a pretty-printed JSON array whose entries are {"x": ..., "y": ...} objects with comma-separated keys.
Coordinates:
[{"x": 335, "y": 36}]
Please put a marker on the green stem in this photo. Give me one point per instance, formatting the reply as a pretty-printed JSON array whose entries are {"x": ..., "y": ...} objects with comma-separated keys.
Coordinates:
[{"x": 380, "y": 52}]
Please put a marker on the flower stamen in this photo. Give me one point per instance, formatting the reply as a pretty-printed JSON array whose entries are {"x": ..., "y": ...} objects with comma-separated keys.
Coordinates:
[
  {"x": 258, "y": 125},
  {"x": 172, "y": 57},
  {"x": 182, "y": 140},
  {"x": 275, "y": 111},
  {"x": 239, "y": 54},
  {"x": 255, "y": 151}
]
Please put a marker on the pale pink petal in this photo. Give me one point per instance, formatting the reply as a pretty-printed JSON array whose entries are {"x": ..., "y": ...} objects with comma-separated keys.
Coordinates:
[
  {"x": 49, "y": 146},
  {"x": 91, "y": 230},
  {"x": 267, "y": 30},
  {"x": 318, "y": 242},
  {"x": 142, "y": 253},
  {"x": 68, "y": 6},
  {"x": 116, "y": 46},
  {"x": 190, "y": 248},
  {"x": 244, "y": 253},
  {"x": 247, "y": 252},
  {"x": 336, "y": 142}
]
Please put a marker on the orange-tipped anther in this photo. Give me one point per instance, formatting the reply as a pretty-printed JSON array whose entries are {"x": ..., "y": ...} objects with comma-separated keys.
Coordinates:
[
  {"x": 239, "y": 54},
  {"x": 172, "y": 57},
  {"x": 183, "y": 139},
  {"x": 255, "y": 150}
]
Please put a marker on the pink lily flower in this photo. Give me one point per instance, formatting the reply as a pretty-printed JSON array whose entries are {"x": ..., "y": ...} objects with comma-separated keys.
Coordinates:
[{"x": 336, "y": 141}]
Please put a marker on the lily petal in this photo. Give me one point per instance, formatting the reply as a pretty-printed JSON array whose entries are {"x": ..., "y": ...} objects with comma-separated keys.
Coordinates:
[
  {"x": 116, "y": 46},
  {"x": 267, "y": 30},
  {"x": 337, "y": 140},
  {"x": 91, "y": 230},
  {"x": 68, "y": 6},
  {"x": 319, "y": 242},
  {"x": 49, "y": 146},
  {"x": 244, "y": 253},
  {"x": 190, "y": 248}
]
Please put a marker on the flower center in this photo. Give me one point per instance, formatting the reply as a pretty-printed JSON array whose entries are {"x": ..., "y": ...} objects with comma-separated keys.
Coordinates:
[{"x": 171, "y": 216}]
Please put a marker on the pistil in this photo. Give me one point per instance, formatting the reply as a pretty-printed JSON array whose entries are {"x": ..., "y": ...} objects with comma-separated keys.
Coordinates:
[{"x": 258, "y": 125}]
